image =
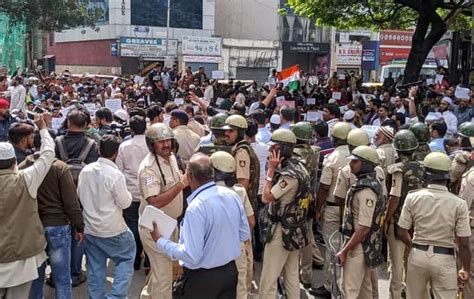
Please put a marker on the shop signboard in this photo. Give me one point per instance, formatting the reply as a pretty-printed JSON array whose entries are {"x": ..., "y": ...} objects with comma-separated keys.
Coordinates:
[
  {"x": 147, "y": 47},
  {"x": 349, "y": 54},
  {"x": 197, "y": 45}
]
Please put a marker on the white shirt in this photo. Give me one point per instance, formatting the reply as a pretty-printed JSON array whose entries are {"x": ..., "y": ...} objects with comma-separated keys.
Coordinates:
[
  {"x": 187, "y": 140},
  {"x": 209, "y": 93},
  {"x": 130, "y": 154},
  {"x": 240, "y": 98},
  {"x": 451, "y": 122},
  {"x": 261, "y": 149},
  {"x": 102, "y": 190},
  {"x": 18, "y": 96}
]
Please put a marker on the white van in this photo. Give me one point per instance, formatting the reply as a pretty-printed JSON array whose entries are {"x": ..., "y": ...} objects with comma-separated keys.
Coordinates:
[{"x": 399, "y": 69}]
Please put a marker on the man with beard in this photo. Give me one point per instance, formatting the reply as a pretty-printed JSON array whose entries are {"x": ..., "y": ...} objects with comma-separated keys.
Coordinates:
[
  {"x": 21, "y": 136},
  {"x": 5, "y": 119},
  {"x": 448, "y": 117},
  {"x": 464, "y": 111}
]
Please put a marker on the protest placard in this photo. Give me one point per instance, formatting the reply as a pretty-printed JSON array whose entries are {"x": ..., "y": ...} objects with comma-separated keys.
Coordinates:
[
  {"x": 219, "y": 74},
  {"x": 336, "y": 95},
  {"x": 310, "y": 101},
  {"x": 113, "y": 104},
  {"x": 179, "y": 101},
  {"x": 286, "y": 103},
  {"x": 462, "y": 93},
  {"x": 439, "y": 79},
  {"x": 91, "y": 107},
  {"x": 280, "y": 98},
  {"x": 313, "y": 116}
]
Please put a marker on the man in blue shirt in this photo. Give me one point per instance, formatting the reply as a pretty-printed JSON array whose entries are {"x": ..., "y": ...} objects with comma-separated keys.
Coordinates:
[
  {"x": 214, "y": 225},
  {"x": 438, "y": 130}
]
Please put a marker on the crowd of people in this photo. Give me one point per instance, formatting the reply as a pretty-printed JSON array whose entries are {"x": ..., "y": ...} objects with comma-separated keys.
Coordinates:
[{"x": 251, "y": 173}]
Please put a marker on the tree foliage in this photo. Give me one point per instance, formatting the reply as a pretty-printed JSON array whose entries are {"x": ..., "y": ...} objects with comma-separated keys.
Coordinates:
[
  {"x": 430, "y": 19},
  {"x": 51, "y": 15}
]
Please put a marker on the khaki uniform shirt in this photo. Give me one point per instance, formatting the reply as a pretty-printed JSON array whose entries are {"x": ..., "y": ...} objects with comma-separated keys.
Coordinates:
[
  {"x": 346, "y": 179},
  {"x": 152, "y": 182},
  {"x": 242, "y": 160},
  {"x": 187, "y": 140},
  {"x": 285, "y": 190},
  {"x": 397, "y": 182},
  {"x": 436, "y": 215},
  {"x": 363, "y": 207},
  {"x": 459, "y": 166},
  {"x": 388, "y": 155},
  {"x": 331, "y": 166},
  {"x": 467, "y": 192}
]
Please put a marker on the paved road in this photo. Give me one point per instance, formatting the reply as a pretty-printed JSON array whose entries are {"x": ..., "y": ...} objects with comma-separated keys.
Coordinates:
[{"x": 139, "y": 278}]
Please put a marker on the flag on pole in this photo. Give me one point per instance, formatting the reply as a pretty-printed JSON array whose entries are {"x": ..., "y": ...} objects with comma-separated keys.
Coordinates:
[{"x": 290, "y": 77}]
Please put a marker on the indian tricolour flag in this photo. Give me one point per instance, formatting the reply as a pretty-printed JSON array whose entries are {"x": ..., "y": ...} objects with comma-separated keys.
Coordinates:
[{"x": 290, "y": 77}]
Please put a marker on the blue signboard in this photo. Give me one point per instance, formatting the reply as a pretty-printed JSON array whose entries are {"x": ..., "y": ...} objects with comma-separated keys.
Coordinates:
[
  {"x": 114, "y": 49},
  {"x": 370, "y": 55}
]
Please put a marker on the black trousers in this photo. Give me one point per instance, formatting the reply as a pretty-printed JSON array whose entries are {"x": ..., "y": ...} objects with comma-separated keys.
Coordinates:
[
  {"x": 131, "y": 219},
  {"x": 215, "y": 283}
]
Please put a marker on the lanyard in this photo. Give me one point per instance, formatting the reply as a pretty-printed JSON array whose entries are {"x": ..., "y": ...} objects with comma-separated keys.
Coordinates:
[{"x": 212, "y": 185}]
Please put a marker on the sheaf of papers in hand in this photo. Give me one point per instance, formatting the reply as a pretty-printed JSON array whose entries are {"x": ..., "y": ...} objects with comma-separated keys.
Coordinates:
[{"x": 166, "y": 224}]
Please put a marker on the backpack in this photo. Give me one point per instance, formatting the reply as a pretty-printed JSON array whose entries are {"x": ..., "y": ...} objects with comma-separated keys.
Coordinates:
[{"x": 77, "y": 164}]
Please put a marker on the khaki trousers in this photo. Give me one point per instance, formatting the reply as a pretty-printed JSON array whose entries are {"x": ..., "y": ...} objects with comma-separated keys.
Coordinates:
[
  {"x": 16, "y": 292},
  {"x": 469, "y": 290},
  {"x": 356, "y": 276},
  {"x": 396, "y": 262},
  {"x": 426, "y": 266},
  {"x": 159, "y": 281},
  {"x": 331, "y": 223},
  {"x": 276, "y": 260},
  {"x": 308, "y": 256},
  {"x": 244, "y": 265}
]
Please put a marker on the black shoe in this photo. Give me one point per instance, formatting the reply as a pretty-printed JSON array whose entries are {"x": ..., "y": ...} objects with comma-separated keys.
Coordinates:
[
  {"x": 78, "y": 280},
  {"x": 307, "y": 286},
  {"x": 320, "y": 292}
]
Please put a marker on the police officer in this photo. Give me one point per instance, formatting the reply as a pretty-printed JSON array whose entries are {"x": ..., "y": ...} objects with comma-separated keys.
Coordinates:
[
  {"x": 247, "y": 163},
  {"x": 467, "y": 193},
  {"x": 422, "y": 134},
  {"x": 286, "y": 191},
  {"x": 224, "y": 175},
  {"x": 383, "y": 141},
  {"x": 361, "y": 225},
  {"x": 332, "y": 214},
  {"x": 346, "y": 179},
  {"x": 309, "y": 156},
  {"x": 462, "y": 161},
  {"x": 405, "y": 176},
  {"x": 437, "y": 217},
  {"x": 216, "y": 140},
  {"x": 161, "y": 185}
]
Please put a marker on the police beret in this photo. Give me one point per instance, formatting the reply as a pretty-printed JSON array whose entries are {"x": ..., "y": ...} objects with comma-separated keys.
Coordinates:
[{"x": 180, "y": 114}]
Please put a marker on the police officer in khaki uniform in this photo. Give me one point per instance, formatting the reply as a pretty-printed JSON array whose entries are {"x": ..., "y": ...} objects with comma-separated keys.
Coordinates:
[
  {"x": 346, "y": 179},
  {"x": 247, "y": 163},
  {"x": 437, "y": 217},
  {"x": 423, "y": 135},
  {"x": 405, "y": 176},
  {"x": 383, "y": 141},
  {"x": 467, "y": 193},
  {"x": 462, "y": 161},
  {"x": 332, "y": 210},
  {"x": 286, "y": 190},
  {"x": 161, "y": 185},
  {"x": 224, "y": 175},
  {"x": 309, "y": 155},
  {"x": 361, "y": 226}
]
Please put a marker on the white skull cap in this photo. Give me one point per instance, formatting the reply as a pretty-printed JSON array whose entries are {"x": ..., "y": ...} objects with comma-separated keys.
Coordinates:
[{"x": 7, "y": 151}]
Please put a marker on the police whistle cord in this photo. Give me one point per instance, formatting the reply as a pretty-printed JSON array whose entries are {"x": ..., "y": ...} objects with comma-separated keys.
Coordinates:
[{"x": 335, "y": 244}]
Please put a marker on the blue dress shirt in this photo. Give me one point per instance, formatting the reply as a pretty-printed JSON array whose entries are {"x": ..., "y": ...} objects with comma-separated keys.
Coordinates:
[
  {"x": 264, "y": 135},
  {"x": 214, "y": 225}
]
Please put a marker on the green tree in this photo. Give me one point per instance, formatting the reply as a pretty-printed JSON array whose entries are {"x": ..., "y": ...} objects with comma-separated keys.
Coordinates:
[
  {"x": 430, "y": 18},
  {"x": 51, "y": 15}
]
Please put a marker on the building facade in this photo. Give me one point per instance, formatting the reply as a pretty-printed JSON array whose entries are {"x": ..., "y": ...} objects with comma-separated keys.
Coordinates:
[{"x": 134, "y": 35}]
